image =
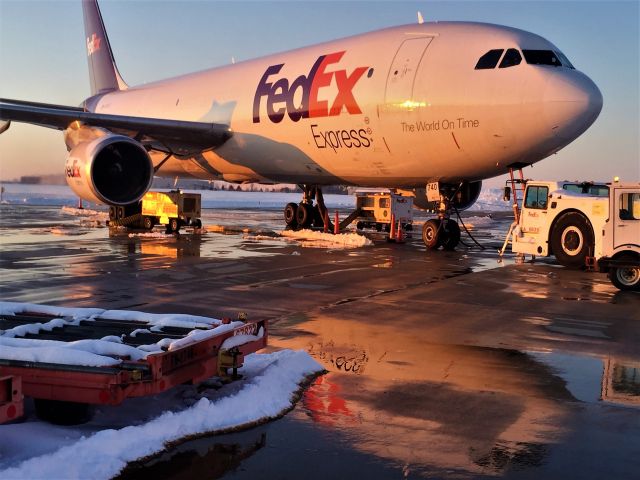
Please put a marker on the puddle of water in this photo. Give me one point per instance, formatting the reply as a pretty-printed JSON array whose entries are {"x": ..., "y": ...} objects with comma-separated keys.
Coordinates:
[{"x": 592, "y": 379}]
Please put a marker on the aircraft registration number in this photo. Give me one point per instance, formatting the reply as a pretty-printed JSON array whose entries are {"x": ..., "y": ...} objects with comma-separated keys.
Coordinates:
[{"x": 249, "y": 329}]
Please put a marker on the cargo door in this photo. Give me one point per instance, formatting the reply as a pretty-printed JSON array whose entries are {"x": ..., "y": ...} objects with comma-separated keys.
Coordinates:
[
  {"x": 399, "y": 105},
  {"x": 626, "y": 212},
  {"x": 402, "y": 74}
]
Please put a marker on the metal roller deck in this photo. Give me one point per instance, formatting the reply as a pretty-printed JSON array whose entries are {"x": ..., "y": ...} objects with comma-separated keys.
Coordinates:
[{"x": 186, "y": 355}]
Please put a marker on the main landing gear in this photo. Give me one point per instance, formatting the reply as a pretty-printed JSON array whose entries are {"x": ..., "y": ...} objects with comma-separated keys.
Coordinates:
[
  {"x": 442, "y": 231},
  {"x": 306, "y": 214}
]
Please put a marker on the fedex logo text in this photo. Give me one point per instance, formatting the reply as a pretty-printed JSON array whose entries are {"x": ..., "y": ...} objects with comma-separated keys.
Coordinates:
[{"x": 280, "y": 94}]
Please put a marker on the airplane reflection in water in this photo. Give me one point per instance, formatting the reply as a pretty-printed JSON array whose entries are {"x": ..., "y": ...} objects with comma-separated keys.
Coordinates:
[{"x": 434, "y": 407}]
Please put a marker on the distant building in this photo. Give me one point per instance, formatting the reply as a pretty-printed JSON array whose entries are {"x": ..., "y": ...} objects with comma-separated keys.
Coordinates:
[{"x": 31, "y": 180}]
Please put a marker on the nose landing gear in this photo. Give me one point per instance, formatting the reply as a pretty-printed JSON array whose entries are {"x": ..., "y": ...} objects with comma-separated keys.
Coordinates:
[
  {"x": 442, "y": 231},
  {"x": 306, "y": 214}
]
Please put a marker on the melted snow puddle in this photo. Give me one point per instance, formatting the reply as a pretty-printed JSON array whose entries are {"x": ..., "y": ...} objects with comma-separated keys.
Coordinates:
[
  {"x": 101, "y": 449},
  {"x": 591, "y": 379}
]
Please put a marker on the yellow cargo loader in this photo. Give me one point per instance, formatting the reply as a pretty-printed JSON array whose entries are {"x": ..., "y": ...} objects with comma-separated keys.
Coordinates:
[{"x": 174, "y": 209}]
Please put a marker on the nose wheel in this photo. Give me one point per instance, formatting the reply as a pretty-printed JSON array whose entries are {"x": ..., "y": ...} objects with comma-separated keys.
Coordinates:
[
  {"x": 438, "y": 233},
  {"x": 442, "y": 231}
]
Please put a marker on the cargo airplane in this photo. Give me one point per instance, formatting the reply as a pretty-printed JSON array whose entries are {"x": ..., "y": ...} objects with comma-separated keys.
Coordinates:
[{"x": 443, "y": 105}]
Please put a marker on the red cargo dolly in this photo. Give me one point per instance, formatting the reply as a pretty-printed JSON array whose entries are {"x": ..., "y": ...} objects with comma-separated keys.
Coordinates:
[
  {"x": 62, "y": 387},
  {"x": 11, "y": 399}
]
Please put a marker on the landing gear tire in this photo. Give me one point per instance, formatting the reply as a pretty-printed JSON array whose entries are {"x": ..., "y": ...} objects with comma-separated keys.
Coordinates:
[
  {"x": 625, "y": 278},
  {"x": 147, "y": 223},
  {"x": 290, "y": 215},
  {"x": 173, "y": 226},
  {"x": 304, "y": 215},
  {"x": 450, "y": 237},
  {"x": 431, "y": 234},
  {"x": 571, "y": 239}
]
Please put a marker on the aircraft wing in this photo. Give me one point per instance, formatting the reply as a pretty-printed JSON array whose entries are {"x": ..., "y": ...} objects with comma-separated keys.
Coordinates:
[{"x": 177, "y": 136}]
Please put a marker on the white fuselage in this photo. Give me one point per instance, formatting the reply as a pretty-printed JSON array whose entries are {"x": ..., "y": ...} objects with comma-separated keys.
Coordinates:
[{"x": 399, "y": 108}]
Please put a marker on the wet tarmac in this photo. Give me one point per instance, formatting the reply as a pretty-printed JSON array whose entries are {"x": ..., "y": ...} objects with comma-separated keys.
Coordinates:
[{"x": 441, "y": 364}]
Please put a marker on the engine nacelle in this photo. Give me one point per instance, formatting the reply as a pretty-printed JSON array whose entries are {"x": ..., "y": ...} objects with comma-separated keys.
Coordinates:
[
  {"x": 111, "y": 169},
  {"x": 463, "y": 199}
]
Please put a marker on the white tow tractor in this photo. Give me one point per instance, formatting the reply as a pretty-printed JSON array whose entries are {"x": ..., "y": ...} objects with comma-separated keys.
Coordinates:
[{"x": 583, "y": 225}]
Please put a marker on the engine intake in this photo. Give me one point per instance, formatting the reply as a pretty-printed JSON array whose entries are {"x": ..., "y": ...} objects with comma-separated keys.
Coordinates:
[{"x": 111, "y": 169}]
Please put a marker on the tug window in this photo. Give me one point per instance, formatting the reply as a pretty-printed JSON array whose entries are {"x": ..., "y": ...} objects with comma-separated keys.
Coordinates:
[
  {"x": 630, "y": 206},
  {"x": 587, "y": 188},
  {"x": 542, "y": 57},
  {"x": 489, "y": 60},
  {"x": 511, "y": 58},
  {"x": 536, "y": 197}
]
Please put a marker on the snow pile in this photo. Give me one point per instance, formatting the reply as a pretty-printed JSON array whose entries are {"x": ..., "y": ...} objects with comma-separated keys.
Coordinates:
[
  {"x": 473, "y": 222},
  {"x": 267, "y": 391},
  {"x": 84, "y": 212},
  {"x": 151, "y": 235},
  {"x": 490, "y": 199},
  {"x": 321, "y": 239}
]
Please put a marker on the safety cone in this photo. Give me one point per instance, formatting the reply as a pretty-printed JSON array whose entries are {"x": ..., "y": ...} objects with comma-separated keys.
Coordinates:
[
  {"x": 326, "y": 221},
  {"x": 392, "y": 229},
  {"x": 336, "y": 224},
  {"x": 80, "y": 207},
  {"x": 399, "y": 233}
]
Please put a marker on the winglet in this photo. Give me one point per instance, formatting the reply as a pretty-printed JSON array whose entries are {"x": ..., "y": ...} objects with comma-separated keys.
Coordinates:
[
  {"x": 103, "y": 72},
  {"x": 420, "y": 19}
]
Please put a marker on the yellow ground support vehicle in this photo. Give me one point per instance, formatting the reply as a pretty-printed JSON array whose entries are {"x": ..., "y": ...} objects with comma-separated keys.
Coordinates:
[
  {"x": 376, "y": 209},
  {"x": 173, "y": 209}
]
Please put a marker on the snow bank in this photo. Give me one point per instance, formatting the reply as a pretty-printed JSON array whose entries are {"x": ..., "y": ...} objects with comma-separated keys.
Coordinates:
[
  {"x": 12, "y": 308},
  {"x": 313, "y": 238},
  {"x": 473, "y": 222},
  {"x": 268, "y": 390},
  {"x": 84, "y": 212},
  {"x": 151, "y": 235},
  {"x": 59, "y": 355}
]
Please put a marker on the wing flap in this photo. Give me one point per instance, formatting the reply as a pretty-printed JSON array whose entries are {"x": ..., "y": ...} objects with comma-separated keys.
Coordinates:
[{"x": 181, "y": 137}]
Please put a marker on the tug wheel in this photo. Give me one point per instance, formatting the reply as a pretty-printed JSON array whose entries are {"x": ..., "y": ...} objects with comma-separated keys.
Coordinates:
[
  {"x": 174, "y": 225},
  {"x": 450, "y": 236},
  {"x": 571, "y": 239},
  {"x": 148, "y": 223},
  {"x": 431, "y": 234},
  {"x": 290, "y": 212},
  {"x": 625, "y": 278}
]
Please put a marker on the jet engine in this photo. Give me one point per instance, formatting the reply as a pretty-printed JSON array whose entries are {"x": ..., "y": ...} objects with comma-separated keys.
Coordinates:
[
  {"x": 463, "y": 197},
  {"x": 111, "y": 169}
]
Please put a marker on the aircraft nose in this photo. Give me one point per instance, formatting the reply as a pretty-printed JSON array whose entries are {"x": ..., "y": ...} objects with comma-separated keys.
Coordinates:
[{"x": 572, "y": 102}]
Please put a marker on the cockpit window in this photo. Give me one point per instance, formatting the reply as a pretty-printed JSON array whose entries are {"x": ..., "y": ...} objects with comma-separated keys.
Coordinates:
[
  {"x": 511, "y": 58},
  {"x": 546, "y": 57},
  {"x": 489, "y": 60},
  {"x": 565, "y": 61}
]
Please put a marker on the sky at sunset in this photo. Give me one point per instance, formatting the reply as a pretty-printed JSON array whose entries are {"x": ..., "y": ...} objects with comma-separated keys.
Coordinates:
[{"x": 43, "y": 58}]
